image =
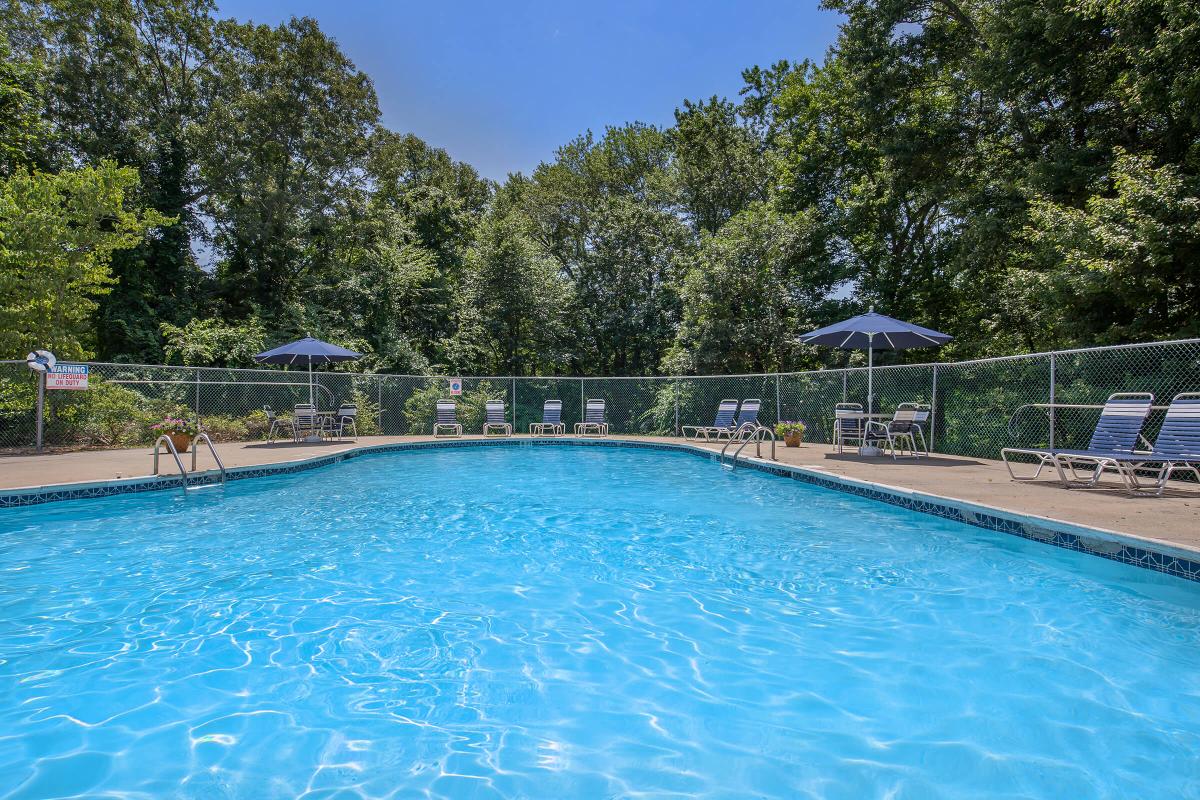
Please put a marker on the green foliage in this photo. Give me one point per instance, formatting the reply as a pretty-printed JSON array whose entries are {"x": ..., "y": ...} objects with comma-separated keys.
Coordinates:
[
  {"x": 749, "y": 290},
  {"x": 224, "y": 428},
  {"x": 286, "y": 149},
  {"x": 1019, "y": 173},
  {"x": 115, "y": 416},
  {"x": 368, "y": 413},
  {"x": 720, "y": 165},
  {"x": 1125, "y": 261},
  {"x": 58, "y": 234},
  {"x": 24, "y": 134},
  {"x": 510, "y": 313},
  {"x": 214, "y": 343}
]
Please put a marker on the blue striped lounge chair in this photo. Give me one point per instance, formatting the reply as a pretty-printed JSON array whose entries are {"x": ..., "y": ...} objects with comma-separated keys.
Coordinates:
[
  {"x": 1176, "y": 448},
  {"x": 594, "y": 423},
  {"x": 722, "y": 424},
  {"x": 551, "y": 424},
  {"x": 1117, "y": 431},
  {"x": 447, "y": 419},
  {"x": 496, "y": 419},
  {"x": 747, "y": 419}
]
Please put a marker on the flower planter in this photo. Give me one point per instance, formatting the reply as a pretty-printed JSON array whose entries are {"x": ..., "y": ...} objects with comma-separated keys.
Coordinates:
[
  {"x": 181, "y": 441},
  {"x": 793, "y": 439}
]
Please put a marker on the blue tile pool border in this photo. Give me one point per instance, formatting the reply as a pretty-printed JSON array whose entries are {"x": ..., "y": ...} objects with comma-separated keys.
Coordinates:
[{"x": 1105, "y": 544}]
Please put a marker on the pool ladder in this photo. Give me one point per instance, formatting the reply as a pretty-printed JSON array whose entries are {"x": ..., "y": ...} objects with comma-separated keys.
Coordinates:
[
  {"x": 164, "y": 439},
  {"x": 756, "y": 433}
]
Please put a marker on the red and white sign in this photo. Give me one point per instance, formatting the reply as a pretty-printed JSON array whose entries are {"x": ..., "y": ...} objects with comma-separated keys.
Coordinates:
[
  {"x": 456, "y": 386},
  {"x": 67, "y": 376}
]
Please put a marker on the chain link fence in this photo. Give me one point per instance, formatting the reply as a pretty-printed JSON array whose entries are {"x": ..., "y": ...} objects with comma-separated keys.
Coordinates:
[{"x": 978, "y": 406}]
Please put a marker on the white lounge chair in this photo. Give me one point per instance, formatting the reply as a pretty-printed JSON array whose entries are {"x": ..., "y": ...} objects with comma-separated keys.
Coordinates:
[
  {"x": 551, "y": 424},
  {"x": 594, "y": 422},
  {"x": 496, "y": 419},
  {"x": 447, "y": 420}
]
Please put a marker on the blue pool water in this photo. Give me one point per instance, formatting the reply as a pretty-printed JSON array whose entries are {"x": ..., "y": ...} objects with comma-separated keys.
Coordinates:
[{"x": 559, "y": 622}]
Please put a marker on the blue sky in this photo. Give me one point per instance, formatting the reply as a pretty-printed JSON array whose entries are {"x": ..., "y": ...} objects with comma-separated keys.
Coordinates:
[{"x": 502, "y": 84}]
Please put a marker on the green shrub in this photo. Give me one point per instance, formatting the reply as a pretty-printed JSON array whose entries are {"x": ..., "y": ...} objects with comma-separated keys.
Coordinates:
[
  {"x": 221, "y": 428},
  {"x": 113, "y": 416},
  {"x": 257, "y": 425},
  {"x": 368, "y": 413}
]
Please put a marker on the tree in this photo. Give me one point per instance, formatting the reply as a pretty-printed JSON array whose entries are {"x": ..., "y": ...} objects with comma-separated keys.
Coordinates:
[
  {"x": 286, "y": 151},
  {"x": 750, "y": 291},
  {"x": 214, "y": 343},
  {"x": 24, "y": 134},
  {"x": 1124, "y": 265},
  {"x": 441, "y": 202},
  {"x": 511, "y": 306},
  {"x": 132, "y": 81},
  {"x": 58, "y": 234},
  {"x": 606, "y": 212},
  {"x": 719, "y": 164}
]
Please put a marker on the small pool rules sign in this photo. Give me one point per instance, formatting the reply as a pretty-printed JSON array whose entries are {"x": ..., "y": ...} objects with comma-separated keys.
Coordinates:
[
  {"x": 67, "y": 376},
  {"x": 456, "y": 386}
]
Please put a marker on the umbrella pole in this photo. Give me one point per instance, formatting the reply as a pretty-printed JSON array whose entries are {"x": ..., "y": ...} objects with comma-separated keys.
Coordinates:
[{"x": 870, "y": 375}]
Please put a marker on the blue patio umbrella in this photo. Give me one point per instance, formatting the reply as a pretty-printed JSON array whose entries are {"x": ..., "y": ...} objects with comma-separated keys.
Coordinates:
[
  {"x": 872, "y": 331},
  {"x": 307, "y": 351}
]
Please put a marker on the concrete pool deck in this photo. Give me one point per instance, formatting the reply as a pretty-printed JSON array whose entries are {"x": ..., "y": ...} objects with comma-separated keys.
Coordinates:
[{"x": 1172, "y": 520}]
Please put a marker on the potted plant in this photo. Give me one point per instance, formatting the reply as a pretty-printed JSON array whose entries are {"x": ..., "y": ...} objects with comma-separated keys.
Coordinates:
[
  {"x": 179, "y": 431},
  {"x": 791, "y": 432}
]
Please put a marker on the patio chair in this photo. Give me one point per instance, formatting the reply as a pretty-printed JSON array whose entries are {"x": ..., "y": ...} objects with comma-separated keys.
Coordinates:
[
  {"x": 551, "y": 424},
  {"x": 1117, "y": 431},
  {"x": 900, "y": 433},
  {"x": 1176, "y": 448},
  {"x": 920, "y": 420},
  {"x": 594, "y": 423},
  {"x": 306, "y": 421},
  {"x": 495, "y": 419},
  {"x": 722, "y": 424},
  {"x": 447, "y": 419},
  {"x": 345, "y": 417},
  {"x": 276, "y": 422},
  {"x": 849, "y": 425}
]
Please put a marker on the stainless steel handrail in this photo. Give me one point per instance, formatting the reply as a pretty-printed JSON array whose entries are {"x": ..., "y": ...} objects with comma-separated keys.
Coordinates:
[
  {"x": 211, "y": 449},
  {"x": 175, "y": 455},
  {"x": 757, "y": 433}
]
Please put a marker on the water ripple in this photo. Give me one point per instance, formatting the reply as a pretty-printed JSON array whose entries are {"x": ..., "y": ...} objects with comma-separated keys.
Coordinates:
[{"x": 552, "y": 623}]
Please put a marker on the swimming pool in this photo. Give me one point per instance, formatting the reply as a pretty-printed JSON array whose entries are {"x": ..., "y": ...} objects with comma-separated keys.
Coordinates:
[{"x": 576, "y": 622}]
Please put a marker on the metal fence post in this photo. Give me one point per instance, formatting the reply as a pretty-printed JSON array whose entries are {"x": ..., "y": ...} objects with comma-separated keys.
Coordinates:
[
  {"x": 1052, "y": 415},
  {"x": 933, "y": 411},
  {"x": 778, "y": 405},
  {"x": 514, "y": 404},
  {"x": 197, "y": 397},
  {"x": 844, "y": 374},
  {"x": 582, "y": 402},
  {"x": 677, "y": 390},
  {"x": 41, "y": 409},
  {"x": 379, "y": 403}
]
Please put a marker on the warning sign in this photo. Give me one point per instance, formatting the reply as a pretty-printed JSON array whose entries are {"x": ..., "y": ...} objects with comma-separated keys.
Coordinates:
[{"x": 67, "y": 376}]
